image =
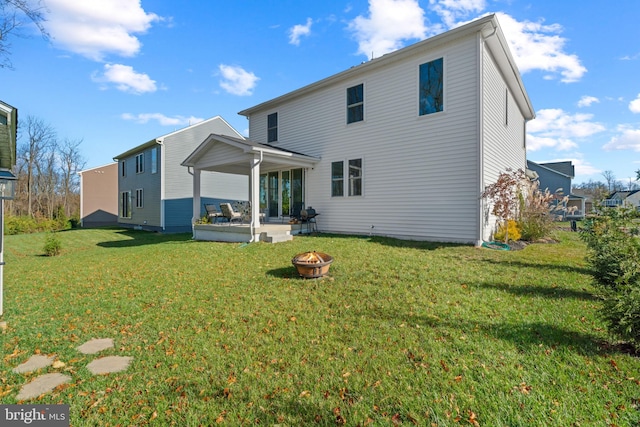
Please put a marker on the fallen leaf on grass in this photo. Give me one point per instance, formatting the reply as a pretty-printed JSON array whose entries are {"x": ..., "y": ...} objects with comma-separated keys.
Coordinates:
[{"x": 523, "y": 388}]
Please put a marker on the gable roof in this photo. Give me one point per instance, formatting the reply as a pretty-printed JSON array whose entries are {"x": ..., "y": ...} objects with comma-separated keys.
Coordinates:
[
  {"x": 488, "y": 27},
  {"x": 160, "y": 139},
  {"x": 622, "y": 194},
  {"x": 246, "y": 150},
  {"x": 550, "y": 168}
]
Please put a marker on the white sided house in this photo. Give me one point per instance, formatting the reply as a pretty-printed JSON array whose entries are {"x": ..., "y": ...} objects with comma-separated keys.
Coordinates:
[
  {"x": 402, "y": 145},
  {"x": 156, "y": 193}
]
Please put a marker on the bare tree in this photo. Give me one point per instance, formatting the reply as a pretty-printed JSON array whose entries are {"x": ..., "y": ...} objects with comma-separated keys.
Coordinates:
[
  {"x": 41, "y": 141},
  {"x": 15, "y": 14},
  {"x": 71, "y": 162},
  {"x": 610, "y": 178}
]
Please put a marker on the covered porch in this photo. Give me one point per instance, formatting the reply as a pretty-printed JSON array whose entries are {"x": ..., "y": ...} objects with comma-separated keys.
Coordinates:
[{"x": 225, "y": 154}]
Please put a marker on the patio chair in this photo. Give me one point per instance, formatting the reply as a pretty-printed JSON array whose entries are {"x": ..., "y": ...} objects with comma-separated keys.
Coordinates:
[
  {"x": 212, "y": 213},
  {"x": 229, "y": 213}
]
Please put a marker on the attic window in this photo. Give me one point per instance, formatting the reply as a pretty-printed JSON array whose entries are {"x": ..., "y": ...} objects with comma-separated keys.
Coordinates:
[{"x": 3, "y": 119}]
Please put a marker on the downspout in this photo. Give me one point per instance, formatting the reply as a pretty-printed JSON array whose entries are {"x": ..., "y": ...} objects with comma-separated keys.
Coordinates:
[
  {"x": 255, "y": 217},
  {"x": 162, "y": 184},
  {"x": 480, "y": 220}
]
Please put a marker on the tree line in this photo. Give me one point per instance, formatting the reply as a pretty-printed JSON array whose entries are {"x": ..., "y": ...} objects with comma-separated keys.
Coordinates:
[
  {"x": 48, "y": 185},
  {"x": 600, "y": 190}
]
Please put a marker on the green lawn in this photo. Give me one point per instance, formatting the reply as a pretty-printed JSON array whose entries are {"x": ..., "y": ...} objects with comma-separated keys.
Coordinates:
[{"x": 400, "y": 333}]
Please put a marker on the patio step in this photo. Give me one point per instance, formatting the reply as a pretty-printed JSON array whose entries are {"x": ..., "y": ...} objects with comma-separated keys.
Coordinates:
[{"x": 275, "y": 236}]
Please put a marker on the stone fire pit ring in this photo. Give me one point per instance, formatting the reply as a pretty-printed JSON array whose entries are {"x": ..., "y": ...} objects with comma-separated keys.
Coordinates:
[{"x": 312, "y": 265}]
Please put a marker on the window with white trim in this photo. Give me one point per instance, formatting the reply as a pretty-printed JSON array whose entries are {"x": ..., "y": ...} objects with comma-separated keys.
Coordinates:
[
  {"x": 431, "y": 89},
  {"x": 154, "y": 160},
  {"x": 337, "y": 179},
  {"x": 506, "y": 107},
  {"x": 355, "y": 104},
  {"x": 353, "y": 171},
  {"x": 125, "y": 204},
  {"x": 140, "y": 163},
  {"x": 272, "y": 127},
  {"x": 355, "y": 177},
  {"x": 139, "y": 198}
]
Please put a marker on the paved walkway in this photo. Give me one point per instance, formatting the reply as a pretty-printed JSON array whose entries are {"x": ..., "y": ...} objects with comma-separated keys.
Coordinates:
[{"x": 45, "y": 383}]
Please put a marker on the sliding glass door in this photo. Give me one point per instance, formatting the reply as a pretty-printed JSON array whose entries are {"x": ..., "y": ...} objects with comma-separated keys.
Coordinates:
[{"x": 282, "y": 193}]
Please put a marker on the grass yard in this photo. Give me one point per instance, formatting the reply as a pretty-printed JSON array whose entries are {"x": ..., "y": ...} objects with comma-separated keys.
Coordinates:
[{"x": 402, "y": 333}]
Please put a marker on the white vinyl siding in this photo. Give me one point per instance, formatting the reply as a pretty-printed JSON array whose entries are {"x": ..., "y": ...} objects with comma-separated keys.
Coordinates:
[
  {"x": 425, "y": 167},
  {"x": 179, "y": 183},
  {"x": 503, "y": 145}
]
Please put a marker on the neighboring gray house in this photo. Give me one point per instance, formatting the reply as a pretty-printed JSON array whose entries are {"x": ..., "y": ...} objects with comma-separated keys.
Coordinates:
[
  {"x": 556, "y": 177},
  {"x": 402, "y": 145},
  {"x": 624, "y": 198},
  {"x": 155, "y": 191}
]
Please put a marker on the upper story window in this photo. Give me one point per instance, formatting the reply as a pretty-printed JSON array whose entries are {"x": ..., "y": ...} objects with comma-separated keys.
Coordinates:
[
  {"x": 140, "y": 163},
  {"x": 123, "y": 168},
  {"x": 355, "y": 104},
  {"x": 272, "y": 127},
  {"x": 154, "y": 160},
  {"x": 3, "y": 120},
  {"x": 431, "y": 88}
]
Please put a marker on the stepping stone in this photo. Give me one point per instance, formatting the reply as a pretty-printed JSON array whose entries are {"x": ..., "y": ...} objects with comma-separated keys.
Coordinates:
[
  {"x": 106, "y": 365},
  {"x": 95, "y": 345},
  {"x": 35, "y": 362},
  {"x": 42, "y": 384}
]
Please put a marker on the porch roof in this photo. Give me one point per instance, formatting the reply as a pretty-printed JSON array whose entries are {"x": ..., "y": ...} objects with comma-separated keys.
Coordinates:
[{"x": 222, "y": 153}]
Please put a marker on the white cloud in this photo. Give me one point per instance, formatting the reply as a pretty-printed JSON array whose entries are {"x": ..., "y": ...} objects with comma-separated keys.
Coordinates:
[
  {"x": 555, "y": 128},
  {"x": 634, "y": 105},
  {"x": 96, "y": 28},
  {"x": 627, "y": 139},
  {"x": 581, "y": 166},
  {"x": 298, "y": 31},
  {"x": 451, "y": 11},
  {"x": 584, "y": 168},
  {"x": 390, "y": 22},
  {"x": 161, "y": 119},
  {"x": 538, "y": 46},
  {"x": 587, "y": 100},
  {"x": 236, "y": 80},
  {"x": 126, "y": 79}
]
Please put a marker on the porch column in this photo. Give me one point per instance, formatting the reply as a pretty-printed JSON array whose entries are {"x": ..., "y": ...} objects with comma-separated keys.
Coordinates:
[
  {"x": 196, "y": 195},
  {"x": 254, "y": 193}
]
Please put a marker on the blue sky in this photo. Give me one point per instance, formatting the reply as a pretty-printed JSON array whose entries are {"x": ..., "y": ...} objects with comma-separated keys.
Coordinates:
[{"x": 117, "y": 73}]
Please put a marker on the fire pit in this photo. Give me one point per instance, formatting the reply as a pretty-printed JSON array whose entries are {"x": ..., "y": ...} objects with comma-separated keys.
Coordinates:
[{"x": 312, "y": 264}]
